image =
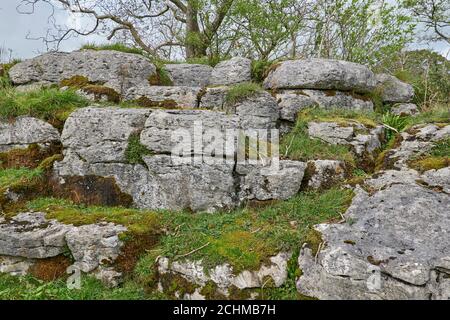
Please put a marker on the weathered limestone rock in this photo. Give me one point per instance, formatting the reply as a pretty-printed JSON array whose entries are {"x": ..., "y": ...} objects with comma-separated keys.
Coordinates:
[
  {"x": 420, "y": 141},
  {"x": 233, "y": 71},
  {"x": 196, "y": 186},
  {"x": 189, "y": 75},
  {"x": 325, "y": 173},
  {"x": 24, "y": 131},
  {"x": 405, "y": 109},
  {"x": 262, "y": 183},
  {"x": 395, "y": 248},
  {"x": 259, "y": 111},
  {"x": 165, "y": 97},
  {"x": 15, "y": 266},
  {"x": 292, "y": 101},
  {"x": 162, "y": 125},
  {"x": 94, "y": 245},
  {"x": 30, "y": 235},
  {"x": 223, "y": 276},
  {"x": 117, "y": 70},
  {"x": 438, "y": 178},
  {"x": 214, "y": 98},
  {"x": 323, "y": 74},
  {"x": 101, "y": 134},
  {"x": 351, "y": 135},
  {"x": 393, "y": 90}
]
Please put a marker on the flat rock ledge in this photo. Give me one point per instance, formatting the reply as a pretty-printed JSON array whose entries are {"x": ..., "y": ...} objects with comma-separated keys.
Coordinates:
[
  {"x": 29, "y": 236},
  {"x": 223, "y": 277}
]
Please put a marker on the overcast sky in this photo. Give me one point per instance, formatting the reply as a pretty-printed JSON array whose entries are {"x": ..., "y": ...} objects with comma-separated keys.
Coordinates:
[{"x": 15, "y": 27}]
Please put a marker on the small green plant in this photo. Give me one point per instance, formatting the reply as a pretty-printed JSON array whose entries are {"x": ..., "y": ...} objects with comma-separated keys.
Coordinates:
[
  {"x": 260, "y": 69},
  {"x": 47, "y": 104},
  {"x": 136, "y": 150},
  {"x": 394, "y": 124},
  {"x": 242, "y": 91}
]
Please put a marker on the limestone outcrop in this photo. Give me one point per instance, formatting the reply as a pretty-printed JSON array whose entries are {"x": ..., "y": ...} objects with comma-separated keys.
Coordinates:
[
  {"x": 393, "y": 90},
  {"x": 116, "y": 70},
  {"x": 393, "y": 243},
  {"x": 25, "y": 131}
]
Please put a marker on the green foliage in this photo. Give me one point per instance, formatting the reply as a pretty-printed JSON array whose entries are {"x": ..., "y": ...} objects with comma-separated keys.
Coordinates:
[
  {"x": 47, "y": 104},
  {"x": 394, "y": 123},
  {"x": 260, "y": 70},
  {"x": 135, "y": 150},
  {"x": 437, "y": 158},
  {"x": 242, "y": 91},
  {"x": 427, "y": 72},
  {"x": 114, "y": 47}
]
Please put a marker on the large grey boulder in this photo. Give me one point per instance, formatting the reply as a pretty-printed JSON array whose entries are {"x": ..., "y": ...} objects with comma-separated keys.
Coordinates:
[
  {"x": 113, "y": 69},
  {"x": 165, "y": 97},
  {"x": 189, "y": 75},
  {"x": 405, "y": 109},
  {"x": 30, "y": 235},
  {"x": 393, "y": 90},
  {"x": 396, "y": 247},
  {"x": 101, "y": 134},
  {"x": 233, "y": 71},
  {"x": 94, "y": 245},
  {"x": 24, "y": 131},
  {"x": 265, "y": 183},
  {"x": 323, "y": 74},
  {"x": 293, "y": 101}
]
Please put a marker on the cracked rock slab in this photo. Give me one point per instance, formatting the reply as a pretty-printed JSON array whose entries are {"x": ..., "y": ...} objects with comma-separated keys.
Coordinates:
[
  {"x": 117, "y": 70},
  {"x": 179, "y": 97},
  {"x": 233, "y": 71},
  {"x": 322, "y": 74},
  {"x": 24, "y": 131},
  {"x": 396, "y": 247}
]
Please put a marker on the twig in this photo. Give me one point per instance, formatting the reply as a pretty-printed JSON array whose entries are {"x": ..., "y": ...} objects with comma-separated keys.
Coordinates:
[
  {"x": 389, "y": 127},
  {"x": 193, "y": 251},
  {"x": 318, "y": 251}
]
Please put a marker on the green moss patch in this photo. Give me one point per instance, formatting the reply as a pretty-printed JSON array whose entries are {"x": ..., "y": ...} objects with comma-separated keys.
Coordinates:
[
  {"x": 136, "y": 150},
  {"x": 30, "y": 157},
  {"x": 437, "y": 158}
]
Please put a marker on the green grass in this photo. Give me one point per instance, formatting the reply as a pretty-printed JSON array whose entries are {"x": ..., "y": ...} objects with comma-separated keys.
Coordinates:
[
  {"x": 65, "y": 211},
  {"x": 242, "y": 91},
  {"x": 438, "y": 114},
  {"x": 29, "y": 288},
  {"x": 47, "y": 104},
  {"x": 395, "y": 124},
  {"x": 247, "y": 238},
  {"x": 18, "y": 177},
  {"x": 114, "y": 47}
]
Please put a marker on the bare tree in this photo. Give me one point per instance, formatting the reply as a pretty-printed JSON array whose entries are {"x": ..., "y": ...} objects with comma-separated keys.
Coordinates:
[
  {"x": 434, "y": 15},
  {"x": 156, "y": 26}
]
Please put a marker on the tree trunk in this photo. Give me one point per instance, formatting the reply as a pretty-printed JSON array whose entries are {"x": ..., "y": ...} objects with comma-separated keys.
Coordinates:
[{"x": 195, "y": 42}]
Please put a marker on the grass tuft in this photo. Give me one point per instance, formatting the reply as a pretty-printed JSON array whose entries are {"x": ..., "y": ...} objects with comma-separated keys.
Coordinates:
[{"x": 242, "y": 91}]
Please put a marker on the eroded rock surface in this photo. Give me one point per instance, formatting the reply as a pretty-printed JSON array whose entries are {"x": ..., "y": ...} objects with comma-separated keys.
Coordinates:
[
  {"x": 165, "y": 97},
  {"x": 117, "y": 70},
  {"x": 24, "y": 131},
  {"x": 323, "y": 74},
  {"x": 233, "y": 71},
  {"x": 393, "y": 90},
  {"x": 405, "y": 109},
  {"x": 293, "y": 101},
  {"x": 189, "y": 75}
]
